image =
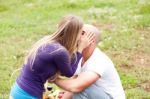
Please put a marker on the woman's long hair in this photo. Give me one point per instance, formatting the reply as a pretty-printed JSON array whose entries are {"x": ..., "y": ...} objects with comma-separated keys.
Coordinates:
[{"x": 67, "y": 35}]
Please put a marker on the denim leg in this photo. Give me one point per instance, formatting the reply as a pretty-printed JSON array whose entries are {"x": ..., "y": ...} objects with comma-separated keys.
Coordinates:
[{"x": 92, "y": 92}]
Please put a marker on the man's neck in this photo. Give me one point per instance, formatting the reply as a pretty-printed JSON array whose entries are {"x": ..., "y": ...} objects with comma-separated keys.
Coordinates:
[{"x": 87, "y": 54}]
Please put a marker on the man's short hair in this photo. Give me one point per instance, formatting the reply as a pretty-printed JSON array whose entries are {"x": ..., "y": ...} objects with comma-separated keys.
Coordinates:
[{"x": 95, "y": 30}]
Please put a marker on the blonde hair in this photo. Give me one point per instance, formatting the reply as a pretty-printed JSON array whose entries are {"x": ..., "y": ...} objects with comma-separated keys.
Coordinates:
[{"x": 66, "y": 34}]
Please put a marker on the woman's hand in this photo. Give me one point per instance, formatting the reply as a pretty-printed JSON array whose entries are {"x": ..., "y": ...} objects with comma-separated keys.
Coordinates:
[{"x": 85, "y": 40}]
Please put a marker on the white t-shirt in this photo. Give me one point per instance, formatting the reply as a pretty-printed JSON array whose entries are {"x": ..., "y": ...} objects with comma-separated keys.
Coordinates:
[{"x": 109, "y": 80}]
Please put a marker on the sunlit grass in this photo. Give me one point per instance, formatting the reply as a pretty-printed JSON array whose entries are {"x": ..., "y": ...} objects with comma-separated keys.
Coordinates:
[{"x": 125, "y": 27}]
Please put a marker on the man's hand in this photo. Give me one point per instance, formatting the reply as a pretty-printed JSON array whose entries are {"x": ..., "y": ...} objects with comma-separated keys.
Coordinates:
[
  {"x": 65, "y": 95},
  {"x": 60, "y": 95}
]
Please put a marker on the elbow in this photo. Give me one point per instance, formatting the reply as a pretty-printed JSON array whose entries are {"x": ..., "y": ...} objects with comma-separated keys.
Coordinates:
[
  {"x": 69, "y": 75},
  {"x": 76, "y": 89}
]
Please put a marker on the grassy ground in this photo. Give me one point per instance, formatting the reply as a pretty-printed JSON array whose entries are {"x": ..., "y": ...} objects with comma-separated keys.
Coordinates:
[{"x": 125, "y": 25}]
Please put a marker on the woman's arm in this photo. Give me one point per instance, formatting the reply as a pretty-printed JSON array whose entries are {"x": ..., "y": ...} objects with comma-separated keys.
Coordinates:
[{"x": 64, "y": 64}]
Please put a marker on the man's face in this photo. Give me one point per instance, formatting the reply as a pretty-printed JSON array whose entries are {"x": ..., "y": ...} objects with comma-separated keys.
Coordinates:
[{"x": 87, "y": 29}]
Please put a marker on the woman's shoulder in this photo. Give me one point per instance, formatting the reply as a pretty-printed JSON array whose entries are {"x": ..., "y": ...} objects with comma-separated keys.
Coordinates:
[{"x": 54, "y": 47}]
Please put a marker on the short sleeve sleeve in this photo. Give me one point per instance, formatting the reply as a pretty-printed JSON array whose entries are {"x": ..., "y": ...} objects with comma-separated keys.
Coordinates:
[{"x": 97, "y": 66}]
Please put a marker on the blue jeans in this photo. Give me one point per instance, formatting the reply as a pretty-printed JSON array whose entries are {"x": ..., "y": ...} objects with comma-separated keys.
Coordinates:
[
  {"x": 92, "y": 92},
  {"x": 18, "y": 93}
]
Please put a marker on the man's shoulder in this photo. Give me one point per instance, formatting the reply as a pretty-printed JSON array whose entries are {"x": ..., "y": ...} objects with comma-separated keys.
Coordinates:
[
  {"x": 98, "y": 54},
  {"x": 99, "y": 57}
]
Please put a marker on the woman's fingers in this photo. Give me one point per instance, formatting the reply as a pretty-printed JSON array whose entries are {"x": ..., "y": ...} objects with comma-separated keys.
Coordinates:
[
  {"x": 85, "y": 40},
  {"x": 90, "y": 37},
  {"x": 90, "y": 34}
]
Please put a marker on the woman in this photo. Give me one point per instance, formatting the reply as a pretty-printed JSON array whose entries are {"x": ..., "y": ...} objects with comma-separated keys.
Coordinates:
[{"x": 59, "y": 53}]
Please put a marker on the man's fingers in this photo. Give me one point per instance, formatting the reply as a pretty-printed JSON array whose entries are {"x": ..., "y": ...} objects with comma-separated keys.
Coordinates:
[{"x": 60, "y": 94}]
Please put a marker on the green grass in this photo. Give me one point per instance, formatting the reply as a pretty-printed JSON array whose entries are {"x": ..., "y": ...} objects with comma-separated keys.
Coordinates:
[{"x": 125, "y": 25}]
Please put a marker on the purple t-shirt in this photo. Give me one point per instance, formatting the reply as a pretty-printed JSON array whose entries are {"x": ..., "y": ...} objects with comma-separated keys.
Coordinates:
[{"x": 49, "y": 60}]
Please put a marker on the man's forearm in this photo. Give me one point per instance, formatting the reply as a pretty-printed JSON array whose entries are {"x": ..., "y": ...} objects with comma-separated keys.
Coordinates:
[
  {"x": 68, "y": 85},
  {"x": 61, "y": 84},
  {"x": 82, "y": 81}
]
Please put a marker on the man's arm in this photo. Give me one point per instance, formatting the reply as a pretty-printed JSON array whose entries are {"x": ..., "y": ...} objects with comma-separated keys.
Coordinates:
[{"x": 84, "y": 80}]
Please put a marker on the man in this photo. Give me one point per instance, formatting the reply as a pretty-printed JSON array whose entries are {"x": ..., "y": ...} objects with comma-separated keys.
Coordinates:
[{"x": 97, "y": 77}]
